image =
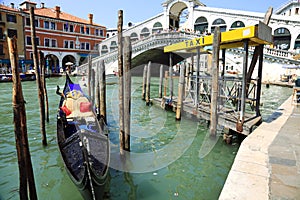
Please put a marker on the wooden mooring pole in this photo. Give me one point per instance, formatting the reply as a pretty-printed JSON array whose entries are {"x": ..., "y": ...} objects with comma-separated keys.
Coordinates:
[
  {"x": 144, "y": 83},
  {"x": 127, "y": 91},
  {"x": 180, "y": 92},
  {"x": 89, "y": 76},
  {"x": 43, "y": 81},
  {"x": 148, "y": 84},
  {"x": 26, "y": 176},
  {"x": 41, "y": 95},
  {"x": 161, "y": 78},
  {"x": 214, "y": 82},
  {"x": 102, "y": 81},
  {"x": 121, "y": 82},
  {"x": 171, "y": 75}
]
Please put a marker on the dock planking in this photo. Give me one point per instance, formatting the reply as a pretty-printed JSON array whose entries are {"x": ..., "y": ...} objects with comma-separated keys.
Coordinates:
[{"x": 202, "y": 111}]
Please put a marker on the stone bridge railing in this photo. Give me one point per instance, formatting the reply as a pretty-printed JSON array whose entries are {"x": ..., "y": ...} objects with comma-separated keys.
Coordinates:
[
  {"x": 274, "y": 55},
  {"x": 158, "y": 40}
]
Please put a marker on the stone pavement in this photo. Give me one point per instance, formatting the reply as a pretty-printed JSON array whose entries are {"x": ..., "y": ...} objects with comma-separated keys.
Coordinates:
[{"x": 267, "y": 165}]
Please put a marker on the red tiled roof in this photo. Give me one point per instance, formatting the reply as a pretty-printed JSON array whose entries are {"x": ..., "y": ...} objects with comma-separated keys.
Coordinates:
[
  {"x": 8, "y": 8},
  {"x": 51, "y": 13}
]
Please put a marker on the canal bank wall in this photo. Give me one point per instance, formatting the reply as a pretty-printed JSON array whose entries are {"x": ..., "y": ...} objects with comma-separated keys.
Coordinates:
[{"x": 267, "y": 165}]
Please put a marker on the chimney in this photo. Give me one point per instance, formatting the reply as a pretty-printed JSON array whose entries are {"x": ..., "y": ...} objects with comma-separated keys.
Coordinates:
[
  {"x": 57, "y": 11},
  {"x": 12, "y": 5},
  {"x": 42, "y": 5},
  {"x": 90, "y": 18}
]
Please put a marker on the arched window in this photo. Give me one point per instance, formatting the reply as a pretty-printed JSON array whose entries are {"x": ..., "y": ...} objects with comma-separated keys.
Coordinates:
[
  {"x": 157, "y": 27},
  {"x": 282, "y": 38},
  {"x": 297, "y": 43},
  {"x": 134, "y": 37},
  {"x": 201, "y": 25},
  {"x": 237, "y": 24},
  {"x": 145, "y": 32},
  {"x": 113, "y": 45},
  {"x": 219, "y": 22},
  {"x": 104, "y": 49}
]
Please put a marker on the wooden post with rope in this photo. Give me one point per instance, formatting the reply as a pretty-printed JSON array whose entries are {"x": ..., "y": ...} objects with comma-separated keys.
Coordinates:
[
  {"x": 26, "y": 176},
  {"x": 41, "y": 95}
]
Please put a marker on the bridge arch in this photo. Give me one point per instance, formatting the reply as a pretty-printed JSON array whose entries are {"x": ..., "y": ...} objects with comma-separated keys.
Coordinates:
[
  {"x": 175, "y": 10},
  {"x": 282, "y": 38}
]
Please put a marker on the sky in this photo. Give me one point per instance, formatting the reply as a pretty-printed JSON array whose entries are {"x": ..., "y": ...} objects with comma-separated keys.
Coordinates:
[{"x": 106, "y": 11}]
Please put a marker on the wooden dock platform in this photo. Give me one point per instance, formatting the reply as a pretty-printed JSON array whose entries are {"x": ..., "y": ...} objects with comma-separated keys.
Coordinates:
[{"x": 225, "y": 119}]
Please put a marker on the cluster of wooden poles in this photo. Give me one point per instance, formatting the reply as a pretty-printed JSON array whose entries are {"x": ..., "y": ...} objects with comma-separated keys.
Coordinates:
[{"x": 26, "y": 176}]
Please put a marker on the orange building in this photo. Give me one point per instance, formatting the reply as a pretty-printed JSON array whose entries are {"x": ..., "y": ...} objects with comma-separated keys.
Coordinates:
[
  {"x": 11, "y": 24},
  {"x": 62, "y": 37}
]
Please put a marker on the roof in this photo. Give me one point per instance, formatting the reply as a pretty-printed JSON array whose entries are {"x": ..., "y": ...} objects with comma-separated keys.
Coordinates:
[
  {"x": 8, "y": 8},
  {"x": 51, "y": 13}
]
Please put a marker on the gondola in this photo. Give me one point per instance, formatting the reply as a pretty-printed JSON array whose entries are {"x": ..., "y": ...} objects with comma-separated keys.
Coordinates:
[{"x": 82, "y": 141}]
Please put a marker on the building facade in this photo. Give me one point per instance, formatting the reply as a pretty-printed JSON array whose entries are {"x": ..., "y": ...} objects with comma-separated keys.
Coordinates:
[
  {"x": 194, "y": 16},
  {"x": 62, "y": 37},
  {"x": 11, "y": 24}
]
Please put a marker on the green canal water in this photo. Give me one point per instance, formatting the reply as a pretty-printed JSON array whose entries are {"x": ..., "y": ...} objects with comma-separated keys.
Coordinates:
[{"x": 170, "y": 158}]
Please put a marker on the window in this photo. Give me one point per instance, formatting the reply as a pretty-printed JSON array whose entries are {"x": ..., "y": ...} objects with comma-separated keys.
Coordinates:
[
  {"x": 66, "y": 26},
  {"x": 296, "y": 11},
  {"x": 0, "y": 16},
  {"x": 82, "y": 45},
  {"x": 27, "y": 22},
  {"x": 71, "y": 28},
  {"x": 101, "y": 32},
  {"x": 1, "y": 34},
  {"x": 82, "y": 29},
  {"x": 97, "y": 32},
  {"x": 87, "y": 30},
  {"x": 87, "y": 46},
  {"x": 71, "y": 44},
  {"x": 11, "y": 33},
  {"x": 1, "y": 49},
  {"x": 53, "y": 43},
  {"x": 11, "y": 18},
  {"x": 66, "y": 44},
  {"x": 53, "y": 26},
  {"x": 47, "y": 42},
  {"x": 46, "y": 24},
  {"x": 28, "y": 41}
]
